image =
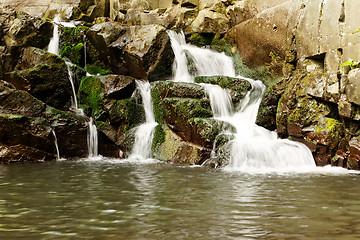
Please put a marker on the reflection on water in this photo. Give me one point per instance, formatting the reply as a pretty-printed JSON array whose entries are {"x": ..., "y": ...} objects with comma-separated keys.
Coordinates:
[{"x": 111, "y": 199}]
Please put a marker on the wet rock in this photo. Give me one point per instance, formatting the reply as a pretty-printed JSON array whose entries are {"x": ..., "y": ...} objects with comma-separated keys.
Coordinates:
[
  {"x": 23, "y": 153},
  {"x": 19, "y": 102},
  {"x": 354, "y": 157},
  {"x": 238, "y": 87},
  {"x": 44, "y": 75},
  {"x": 118, "y": 86},
  {"x": 208, "y": 21},
  {"x": 176, "y": 150},
  {"x": 353, "y": 87},
  {"x": 169, "y": 89},
  {"x": 24, "y": 30}
]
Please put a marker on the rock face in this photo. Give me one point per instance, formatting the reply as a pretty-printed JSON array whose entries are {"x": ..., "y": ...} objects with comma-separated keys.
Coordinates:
[
  {"x": 313, "y": 46},
  {"x": 26, "y": 130}
]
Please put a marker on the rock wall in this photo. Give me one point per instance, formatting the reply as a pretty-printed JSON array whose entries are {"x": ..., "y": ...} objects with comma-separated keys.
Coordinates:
[{"x": 312, "y": 45}]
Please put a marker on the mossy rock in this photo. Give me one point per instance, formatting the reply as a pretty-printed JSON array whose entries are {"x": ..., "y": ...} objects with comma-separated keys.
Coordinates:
[
  {"x": 238, "y": 87},
  {"x": 91, "y": 95},
  {"x": 209, "y": 129},
  {"x": 74, "y": 53},
  {"x": 189, "y": 107},
  {"x": 168, "y": 89},
  {"x": 201, "y": 39}
]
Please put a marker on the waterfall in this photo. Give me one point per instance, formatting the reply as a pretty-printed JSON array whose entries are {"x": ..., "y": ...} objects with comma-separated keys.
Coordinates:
[
  {"x": 54, "y": 42},
  {"x": 92, "y": 140},
  {"x": 74, "y": 103},
  {"x": 145, "y": 132},
  {"x": 56, "y": 145},
  {"x": 253, "y": 147}
]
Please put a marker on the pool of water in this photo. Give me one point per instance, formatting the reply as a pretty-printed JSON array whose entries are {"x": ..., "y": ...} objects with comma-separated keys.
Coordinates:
[{"x": 113, "y": 199}]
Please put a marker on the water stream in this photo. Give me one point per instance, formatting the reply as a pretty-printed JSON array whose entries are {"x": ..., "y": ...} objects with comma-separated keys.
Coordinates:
[
  {"x": 253, "y": 147},
  {"x": 54, "y": 42},
  {"x": 92, "y": 140},
  {"x": 145, "y": 132},
  {"x": 56, "y": 145}
]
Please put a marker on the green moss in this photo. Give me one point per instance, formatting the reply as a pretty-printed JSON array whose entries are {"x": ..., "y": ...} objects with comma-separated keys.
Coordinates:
[
  {"x": 201, "y": 39},
  {"x": 91, "y": 95},
  {"x": 159, "y": 137},
  {"x": 73, "y": 53},
  {"x": 158, "y": 107},
  {"x": 11, "y": 116},
  {"x": 97, "y": 70},
  {"x": 102, "y": 125},
  {"x": 135, "y": 114}
]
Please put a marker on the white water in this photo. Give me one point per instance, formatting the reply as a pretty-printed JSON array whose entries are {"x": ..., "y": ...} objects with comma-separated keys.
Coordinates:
[
  {"x": 54, "y": 42},
  {"x": 254, "y": 147},
  {"x": 145, "y": 132},
  {"x": 74, "y": 102},
  {"x": 56, "y": 145},
  {"x": 92, "y": 139}
]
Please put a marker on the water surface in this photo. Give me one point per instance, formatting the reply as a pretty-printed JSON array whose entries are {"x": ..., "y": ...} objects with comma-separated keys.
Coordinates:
[{"x": 115, "y": 200}]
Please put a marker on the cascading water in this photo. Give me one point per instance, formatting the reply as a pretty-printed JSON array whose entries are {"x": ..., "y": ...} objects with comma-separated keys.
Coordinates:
[
  {"x": 78, "y": 110},
  {"x": 54, "y": 42},
  {"x": 92, "y": 140},
  {"x": 56, "y": 145},
  {"x": 145, "y": 132},
  {"x": 253, "y": 147}
]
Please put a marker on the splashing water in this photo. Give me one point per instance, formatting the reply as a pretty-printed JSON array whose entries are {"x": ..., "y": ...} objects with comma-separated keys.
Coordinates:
[
  {"x": 92, "y": 140},
  {"x": 253, "y": 147},
  {"x": 54, "y": 42},
  {"x": 145, "y": 132}
]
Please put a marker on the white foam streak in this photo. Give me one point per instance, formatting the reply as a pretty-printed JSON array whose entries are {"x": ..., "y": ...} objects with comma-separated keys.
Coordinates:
[{"x": 54, "y": 42}]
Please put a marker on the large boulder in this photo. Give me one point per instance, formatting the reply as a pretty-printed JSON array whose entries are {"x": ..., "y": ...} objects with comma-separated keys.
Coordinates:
[
  {"x": 151, "y": 48},
  {"x": 176, "y": 150},
  {"x": 44, "y": 75},
  {"x": 209, "y": 21}
]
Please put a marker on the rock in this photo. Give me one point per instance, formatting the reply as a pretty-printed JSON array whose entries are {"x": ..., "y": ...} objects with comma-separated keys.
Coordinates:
[
  {"x": 150, "y": 49},
  {"x": 353, "y": 87},
  {"x": 110, "y": 31},
  {"x": 27, "y": 131},
  {"x": 118, "y": 86},
  {"x": 238, "y": 87},
  {"x": 208, "y": 21},
  {"x": 180, "y": 17},
  {"x": 271, "y": 31},
  {"x": 178, "y": 113},
  {"x": 24, "y": 30},
  {"x": 23, "y": 153},
  {"x": 169, "y": 89},
  {"x": 44, "y": 75},
  {"x": 238, "y": 13},
  {"x": 176, "y": 150},
  {"x": 354, "y": 157},
  {"x": 19, "y": 102}
]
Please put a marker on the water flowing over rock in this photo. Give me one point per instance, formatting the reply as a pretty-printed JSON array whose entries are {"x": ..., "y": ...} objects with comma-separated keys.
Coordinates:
[{"x": 145, "y": 132}]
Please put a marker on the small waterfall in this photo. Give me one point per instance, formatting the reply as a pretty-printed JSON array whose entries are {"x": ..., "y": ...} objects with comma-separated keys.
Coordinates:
[
  {"x": 92, "y": 140},
  {"x": 56, "y": 145},
  {"x": 74, "y": 102},
  {"x": 54, "y": 42},
  {"x": 206, "y": 61},
  {"x": 145, "y": 132},
  {"x": 253, "y": 147}
]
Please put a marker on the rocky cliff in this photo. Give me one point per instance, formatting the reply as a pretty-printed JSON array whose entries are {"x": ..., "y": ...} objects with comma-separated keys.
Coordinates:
[{"x": 312, "y": 47}]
